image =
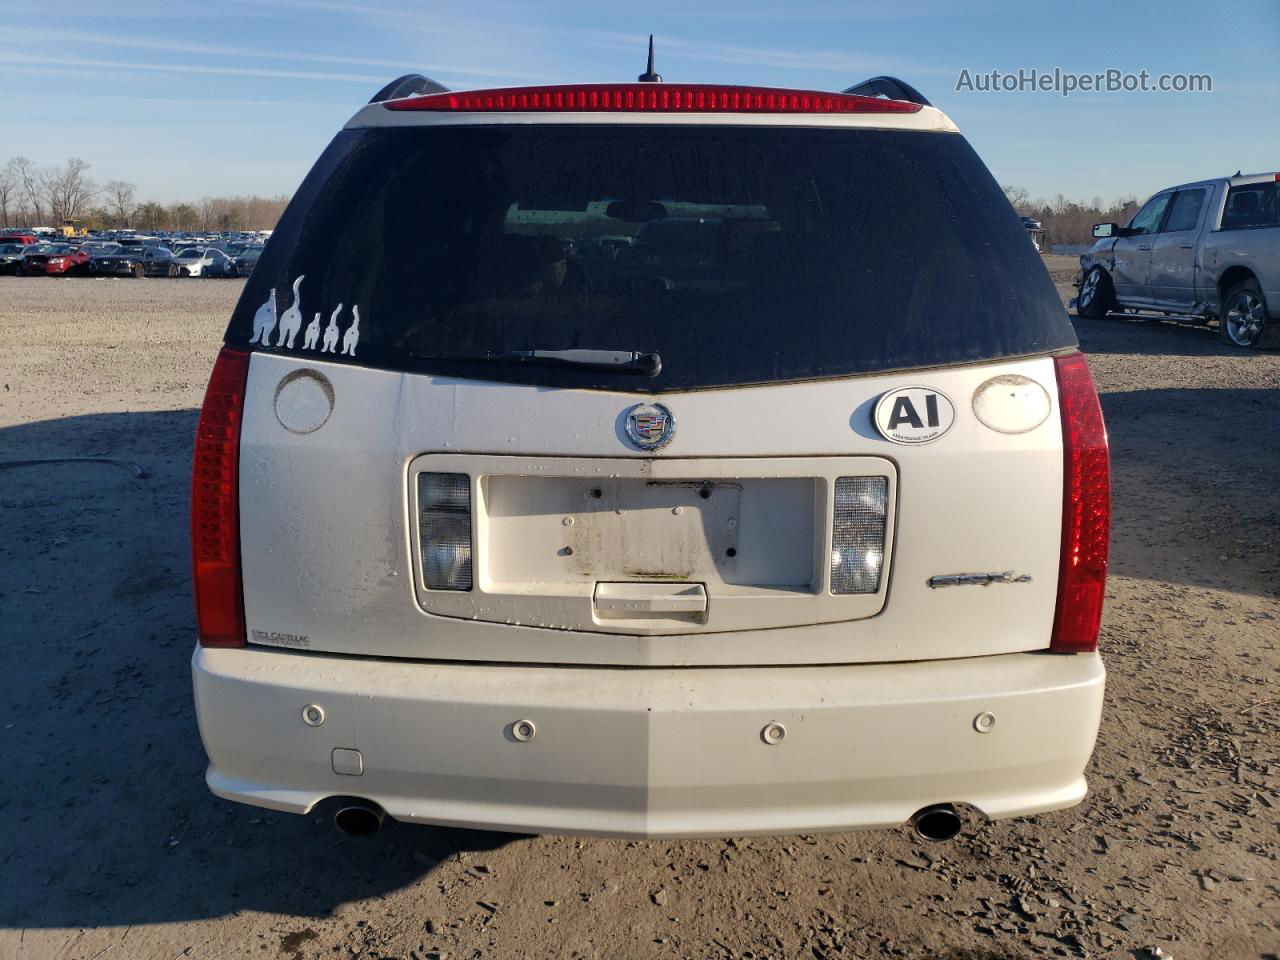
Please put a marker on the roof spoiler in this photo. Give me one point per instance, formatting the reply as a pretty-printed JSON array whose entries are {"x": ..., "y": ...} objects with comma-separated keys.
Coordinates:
[
  {"x": 407, "y": 86},
  {"x": 412, "y": 84},
  {"x": 890, "y": 87}
]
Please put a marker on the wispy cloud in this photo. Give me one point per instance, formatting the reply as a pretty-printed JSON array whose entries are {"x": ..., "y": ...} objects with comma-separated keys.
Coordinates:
[
  {"x": 1269, "y": 91},
  {"x": 181, "y": 12},
  {"x": 64, "y": 38},
  {"x": 844, "y": 11},
  {"x": 826, "y": 61},
  {"x": 486, "y": 28},
  {"x": 190, "y": 68},
  {"x": 201, "y": 104},
  {"x": 560, "y": 37}
]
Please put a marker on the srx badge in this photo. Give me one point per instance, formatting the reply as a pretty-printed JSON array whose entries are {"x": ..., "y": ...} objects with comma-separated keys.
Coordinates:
[{"x": 914, "y": 415}]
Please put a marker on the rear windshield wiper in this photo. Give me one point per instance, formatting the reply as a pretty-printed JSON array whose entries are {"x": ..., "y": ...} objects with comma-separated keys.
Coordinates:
[{"x": 615, "y": 361}]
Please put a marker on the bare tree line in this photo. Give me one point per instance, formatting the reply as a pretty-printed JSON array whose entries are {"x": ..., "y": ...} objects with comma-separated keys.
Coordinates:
[
  {"x": 1066, "y": 221},
  {"x": 32, "y": 196}
]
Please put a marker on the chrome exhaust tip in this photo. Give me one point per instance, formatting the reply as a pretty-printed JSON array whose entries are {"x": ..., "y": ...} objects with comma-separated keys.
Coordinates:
[
  {"x": 936, "y": 823},
  {"x": 359, "y": 819}
]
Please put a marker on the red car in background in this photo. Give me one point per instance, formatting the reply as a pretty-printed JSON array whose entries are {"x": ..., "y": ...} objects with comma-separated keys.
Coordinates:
[
  {"x": 54, "y": 259},
  {"x": 25, "y": 239}
]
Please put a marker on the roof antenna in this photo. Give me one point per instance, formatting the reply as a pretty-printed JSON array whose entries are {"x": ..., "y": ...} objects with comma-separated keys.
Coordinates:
[{"x": 649, "y": 76}]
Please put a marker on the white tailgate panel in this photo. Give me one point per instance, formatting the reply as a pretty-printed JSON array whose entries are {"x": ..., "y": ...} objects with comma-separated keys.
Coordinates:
[{"x": 327, "y": 540}]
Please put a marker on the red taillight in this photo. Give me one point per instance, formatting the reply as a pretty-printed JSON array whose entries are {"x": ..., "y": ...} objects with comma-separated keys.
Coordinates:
[
  {"x": 1086, "y": 510},
  {"x": 651, "y": 97},
  {"x": 215, "y": 505}
]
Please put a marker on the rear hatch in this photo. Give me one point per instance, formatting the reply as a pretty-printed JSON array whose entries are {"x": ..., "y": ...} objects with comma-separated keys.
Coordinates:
[{"x": 448, "y": 452}]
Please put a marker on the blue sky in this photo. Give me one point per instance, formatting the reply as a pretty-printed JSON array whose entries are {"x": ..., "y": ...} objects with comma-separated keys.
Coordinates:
[{"x": 240, "y": 96}]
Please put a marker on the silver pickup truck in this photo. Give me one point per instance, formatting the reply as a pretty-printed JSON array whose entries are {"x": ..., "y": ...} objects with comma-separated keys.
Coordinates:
[{"x": 1206, "y": 250}]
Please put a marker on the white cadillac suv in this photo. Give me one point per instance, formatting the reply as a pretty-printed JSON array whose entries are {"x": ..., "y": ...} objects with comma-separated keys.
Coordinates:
[{"x": 650, "y": 460}]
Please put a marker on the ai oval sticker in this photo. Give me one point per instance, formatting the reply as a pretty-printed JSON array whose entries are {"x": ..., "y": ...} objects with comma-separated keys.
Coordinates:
[{"x": 914, "y": 415}]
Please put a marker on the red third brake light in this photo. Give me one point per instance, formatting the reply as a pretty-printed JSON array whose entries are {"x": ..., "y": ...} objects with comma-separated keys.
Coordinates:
[
  {"x": 215, "y": 505},
  {"x": 652, "y": 98},
  {"x": 1086, "y": 510}
]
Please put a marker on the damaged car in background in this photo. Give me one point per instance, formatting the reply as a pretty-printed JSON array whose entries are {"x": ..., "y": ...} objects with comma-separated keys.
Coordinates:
[{"x": 1202, "y": 251}]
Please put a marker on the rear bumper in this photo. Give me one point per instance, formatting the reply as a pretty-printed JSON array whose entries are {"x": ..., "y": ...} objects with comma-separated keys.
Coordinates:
[{"x": 650, "y": 752}]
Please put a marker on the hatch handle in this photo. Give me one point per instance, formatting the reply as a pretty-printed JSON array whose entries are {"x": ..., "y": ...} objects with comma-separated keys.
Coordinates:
[{"x": 637, "y": 600}]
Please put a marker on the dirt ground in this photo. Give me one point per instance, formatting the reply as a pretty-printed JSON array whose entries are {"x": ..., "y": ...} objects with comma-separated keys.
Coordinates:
[{"x": 112, "y": 847}]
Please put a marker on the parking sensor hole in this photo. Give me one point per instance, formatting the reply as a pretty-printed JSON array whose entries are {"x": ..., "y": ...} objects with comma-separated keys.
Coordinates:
[
  {"x": 596, "y": 493},
  {"x": 731, "y": 552}
]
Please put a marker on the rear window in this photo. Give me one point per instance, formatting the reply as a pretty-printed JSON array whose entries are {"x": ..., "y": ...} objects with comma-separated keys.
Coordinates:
[
  {"x": 1252, "y": 205},
  {"x": 740, "y": 255}
]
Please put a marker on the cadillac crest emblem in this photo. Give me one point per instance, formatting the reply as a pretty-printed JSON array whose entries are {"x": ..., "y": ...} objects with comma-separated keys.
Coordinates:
[{"x": 650, "y": 426}]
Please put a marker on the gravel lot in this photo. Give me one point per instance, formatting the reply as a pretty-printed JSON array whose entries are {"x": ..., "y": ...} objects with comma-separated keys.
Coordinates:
[{"x": 113, "y": 848}]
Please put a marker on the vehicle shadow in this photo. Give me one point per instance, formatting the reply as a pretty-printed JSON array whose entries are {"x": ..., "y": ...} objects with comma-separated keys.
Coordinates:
[
  {"x": 108, "y": 818},
  {"x": 1181, "y": 458},
  {"x": 1125, "y": 334}
]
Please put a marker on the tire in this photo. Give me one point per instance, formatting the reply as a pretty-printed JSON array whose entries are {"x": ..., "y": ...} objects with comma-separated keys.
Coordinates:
[
  {"x": 1097, "y": 296},
  {"x": 1244, "y": 321}
]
